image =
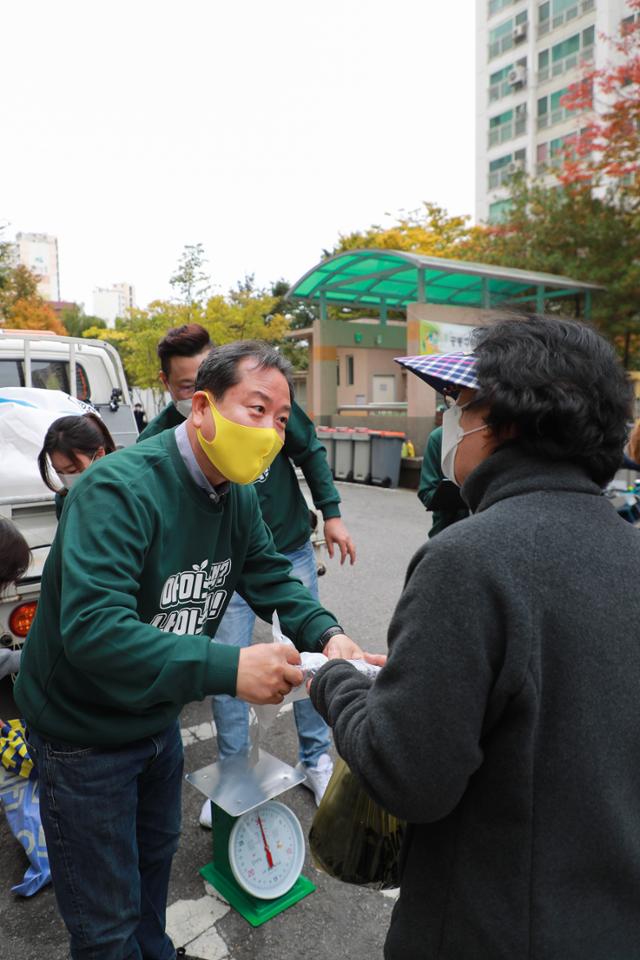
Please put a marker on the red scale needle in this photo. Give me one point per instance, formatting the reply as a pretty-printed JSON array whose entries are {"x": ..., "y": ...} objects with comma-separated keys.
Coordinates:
[{"x": 266, "y": 845}]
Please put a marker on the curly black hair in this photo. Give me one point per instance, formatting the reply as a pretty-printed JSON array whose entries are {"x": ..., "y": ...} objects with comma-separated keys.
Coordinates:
[{"x": 560, "y": 385}]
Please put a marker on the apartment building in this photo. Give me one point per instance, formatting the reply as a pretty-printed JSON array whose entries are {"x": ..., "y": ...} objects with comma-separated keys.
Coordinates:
[
  {"x": 528, "y": 53},
  {"x": 112, "y": 302},
  {"x": 39, "y": 253}
]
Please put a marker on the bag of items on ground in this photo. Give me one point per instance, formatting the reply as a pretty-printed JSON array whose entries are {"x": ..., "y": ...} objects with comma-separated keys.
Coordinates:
[{"x": 19, "y": 799}]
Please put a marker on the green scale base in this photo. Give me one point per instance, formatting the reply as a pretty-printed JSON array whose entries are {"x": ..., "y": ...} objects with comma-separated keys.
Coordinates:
[
  {"x": 219, "y": 874},
  {"x": 253, "y": 910}
]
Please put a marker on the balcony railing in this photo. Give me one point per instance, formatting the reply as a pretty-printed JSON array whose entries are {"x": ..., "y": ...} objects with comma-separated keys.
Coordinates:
[
  {"x": 507, "y": 131},
  {"x": 567, "y": 63},
  {"x": 555, "y": 116},
  {"x": 572, "y": 13}
]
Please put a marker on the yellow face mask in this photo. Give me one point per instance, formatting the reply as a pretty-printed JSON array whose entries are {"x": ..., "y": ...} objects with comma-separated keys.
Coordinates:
[{"x": 238, "y": 452}]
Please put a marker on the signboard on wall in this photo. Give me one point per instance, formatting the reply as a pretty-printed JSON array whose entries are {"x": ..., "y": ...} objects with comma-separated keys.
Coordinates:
[{"x": 444, "y": 337}]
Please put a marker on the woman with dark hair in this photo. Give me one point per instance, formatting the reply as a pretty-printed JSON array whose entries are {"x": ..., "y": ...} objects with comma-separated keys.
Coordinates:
[
  {"x": 504, "y": 726},
  {"x": 72, "y": 444}
]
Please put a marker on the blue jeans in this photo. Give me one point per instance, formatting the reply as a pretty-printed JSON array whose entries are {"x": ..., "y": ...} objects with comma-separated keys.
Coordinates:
[
  {"x": 231, "y": 716},
  {"x": 111, "y": 818}
]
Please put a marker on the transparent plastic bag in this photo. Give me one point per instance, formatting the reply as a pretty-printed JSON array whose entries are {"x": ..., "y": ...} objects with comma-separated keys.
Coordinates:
[{"x": 352, "y": 838}]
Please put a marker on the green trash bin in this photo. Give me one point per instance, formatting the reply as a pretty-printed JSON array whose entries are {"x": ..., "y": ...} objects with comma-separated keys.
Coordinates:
[
  {"x": 326, "y": 435},
  {"x": 386, "y": 455},
  {"x": 362, "y": 455},
  {"x": 344, "y": 453}
]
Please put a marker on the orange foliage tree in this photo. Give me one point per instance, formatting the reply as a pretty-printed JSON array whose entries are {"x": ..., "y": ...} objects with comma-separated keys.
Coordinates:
[
  {"x": 33, "y": 314},
  {"x": 606, "y": 151}
]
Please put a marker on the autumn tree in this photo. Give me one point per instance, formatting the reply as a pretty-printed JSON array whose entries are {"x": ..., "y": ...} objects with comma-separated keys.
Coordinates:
[
  {"x": 606, "y": 151},
  {"x": 21, "y": 306},
  {"x": 246, "y": 313},
  {"x": 429, "y": 230}
]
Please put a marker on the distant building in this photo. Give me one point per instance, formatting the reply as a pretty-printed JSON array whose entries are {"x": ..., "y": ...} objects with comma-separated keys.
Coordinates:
[
  {"x": 112, "y": 302},
  {"x": 528, "y": 53},
  {"x": 39, "y": 253}
]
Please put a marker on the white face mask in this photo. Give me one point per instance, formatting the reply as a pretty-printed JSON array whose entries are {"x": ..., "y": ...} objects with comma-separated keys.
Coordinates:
[
  {"x": 183, "y": 407},
  {"x": 452, "y": 434},
  {"x": 68, "y": 479}
]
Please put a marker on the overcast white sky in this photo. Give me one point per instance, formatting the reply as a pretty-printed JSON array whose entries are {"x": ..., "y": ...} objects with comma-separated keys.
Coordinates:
[{"x": 260, "y": 128}]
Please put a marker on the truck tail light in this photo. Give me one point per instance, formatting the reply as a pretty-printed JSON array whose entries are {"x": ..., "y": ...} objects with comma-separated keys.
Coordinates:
[{"x": 22, "y": 617}]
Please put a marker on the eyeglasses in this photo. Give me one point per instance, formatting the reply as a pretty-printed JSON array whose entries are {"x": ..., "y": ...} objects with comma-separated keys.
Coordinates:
[{"x": 450, "y": 395}]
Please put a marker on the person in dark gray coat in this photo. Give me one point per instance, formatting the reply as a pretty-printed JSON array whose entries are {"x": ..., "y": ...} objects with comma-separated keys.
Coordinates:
[{"x": 505, "y": 726}]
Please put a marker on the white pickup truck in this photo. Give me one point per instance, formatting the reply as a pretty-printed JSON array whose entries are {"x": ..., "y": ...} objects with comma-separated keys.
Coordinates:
[{"x": 89, "y": 370}]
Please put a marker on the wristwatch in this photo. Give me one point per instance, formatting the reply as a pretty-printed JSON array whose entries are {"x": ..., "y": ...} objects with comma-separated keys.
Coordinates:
[{"x": 326, "y": 636}]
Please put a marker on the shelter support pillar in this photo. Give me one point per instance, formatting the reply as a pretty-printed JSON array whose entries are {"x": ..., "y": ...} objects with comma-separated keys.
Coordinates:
[{"x": 323, "y": 399}]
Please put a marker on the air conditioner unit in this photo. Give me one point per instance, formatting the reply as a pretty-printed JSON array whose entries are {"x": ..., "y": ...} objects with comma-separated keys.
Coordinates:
[
  {"x": 516, "y": 166},
  {"x": 517, "y": 76},
  {"x": 520, "y": 32},
  {"x": 521, "y": 111}
]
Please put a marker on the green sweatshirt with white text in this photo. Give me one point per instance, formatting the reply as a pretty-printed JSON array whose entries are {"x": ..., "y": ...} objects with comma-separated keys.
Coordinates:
[{"x": 134, "y": 587}]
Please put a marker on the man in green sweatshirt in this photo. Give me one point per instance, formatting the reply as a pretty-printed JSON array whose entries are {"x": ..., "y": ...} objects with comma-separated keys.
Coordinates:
[
  {"x": 285, "y": 511},
  {"x": 152, "y": 543}
]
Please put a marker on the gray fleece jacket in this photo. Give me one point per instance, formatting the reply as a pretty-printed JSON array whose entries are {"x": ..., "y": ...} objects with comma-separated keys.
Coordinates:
[{"x": 506, "y": 725}]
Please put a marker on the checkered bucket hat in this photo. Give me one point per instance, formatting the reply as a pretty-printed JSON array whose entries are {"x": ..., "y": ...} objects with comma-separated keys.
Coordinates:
[{"x": 443, "y": 371}]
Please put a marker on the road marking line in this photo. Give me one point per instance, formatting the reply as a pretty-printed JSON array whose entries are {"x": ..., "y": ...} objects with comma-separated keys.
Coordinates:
[{"x": 193, "y": 921}]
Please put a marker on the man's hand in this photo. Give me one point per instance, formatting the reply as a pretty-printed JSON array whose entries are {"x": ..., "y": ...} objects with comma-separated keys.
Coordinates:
[
  {"x": 336, "y": 534},
  {"x": 342, "y": 647},
  {"x": 267, "y": 672}
]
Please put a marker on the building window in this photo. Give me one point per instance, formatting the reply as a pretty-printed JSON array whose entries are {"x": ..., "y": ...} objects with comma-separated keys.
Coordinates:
[
  {"x": 507, "y": 125},
  {"x": 495, "y": 6},
  {"x": 504, "y": 82},
  {"x": 349, "y": 371},
  {"x": 556, "y": 13},
  {"x": 507, "y": 35},
  {"x": 503, "y": 168},
  {"x": 499, "y": 211},
  {"x": 551, "y": 111},
  {"x": 566, "y": 55},
  {"x": 338, "y": 372},
  {"x": 551, "y": 155}
]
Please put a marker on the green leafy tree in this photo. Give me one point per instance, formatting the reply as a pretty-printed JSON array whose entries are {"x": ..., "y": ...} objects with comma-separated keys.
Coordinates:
[{"x": 77, "y": 321}]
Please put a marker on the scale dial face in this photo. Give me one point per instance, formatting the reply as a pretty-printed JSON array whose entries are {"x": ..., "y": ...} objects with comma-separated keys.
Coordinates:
[{"x": 266, "y": 850}]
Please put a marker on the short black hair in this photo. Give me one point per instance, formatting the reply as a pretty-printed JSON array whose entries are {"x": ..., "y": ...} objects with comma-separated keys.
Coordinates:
[
  {"x": 15, "y": 555},
  {"x": 186, "y": 341},
  {"x": 560, "y": 384},
  {"x": 72, "y": 435},
  {"x": 219, "y": 371}
]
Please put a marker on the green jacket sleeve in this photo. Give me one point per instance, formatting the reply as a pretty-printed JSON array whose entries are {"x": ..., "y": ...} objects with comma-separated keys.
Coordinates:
[
  {"x": 302, "y": 446},
  {"x": 134, "y": 664},
  {"x": 267, "y": 585},
  {"x": 431, "y": 473}
]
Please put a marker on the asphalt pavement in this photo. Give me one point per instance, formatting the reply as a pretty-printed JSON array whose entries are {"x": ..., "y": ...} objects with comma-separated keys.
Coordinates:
[{"x": 337, "y": 919}]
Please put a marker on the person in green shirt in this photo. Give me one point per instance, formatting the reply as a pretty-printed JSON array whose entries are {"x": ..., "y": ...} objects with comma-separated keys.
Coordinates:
[
  {"x": 285, "y": 511},
  {"x": 438, "y": 494},
  {"x": 152, "y": 542}
]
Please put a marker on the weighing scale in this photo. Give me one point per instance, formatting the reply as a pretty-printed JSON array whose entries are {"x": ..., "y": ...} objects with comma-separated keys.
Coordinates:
[{"x": 258, "y": 843}]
